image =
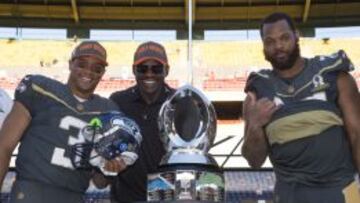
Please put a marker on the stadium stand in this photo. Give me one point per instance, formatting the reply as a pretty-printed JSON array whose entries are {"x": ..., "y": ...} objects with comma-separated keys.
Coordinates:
[
  {"x": 7, "y": 83},
  {"x": 224, "y": 84},
  {"x": 119, "y": 84},
  {"x": 240, "y": 186},
  {"x": 106, "y": 85},
  {"x": 218, "y": 66}
]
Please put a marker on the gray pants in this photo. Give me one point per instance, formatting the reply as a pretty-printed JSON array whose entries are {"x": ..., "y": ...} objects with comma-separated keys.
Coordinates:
[{"x": 34, "y": 192}]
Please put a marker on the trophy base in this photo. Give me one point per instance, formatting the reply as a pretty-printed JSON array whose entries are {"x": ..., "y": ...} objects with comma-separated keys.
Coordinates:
[
  {"x": 191, "y": 182},
  {"x": 179, "y": 201}
]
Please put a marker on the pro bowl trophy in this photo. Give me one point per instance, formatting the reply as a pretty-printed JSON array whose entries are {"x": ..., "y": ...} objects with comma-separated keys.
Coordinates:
[{"x": 187, "y": 173}]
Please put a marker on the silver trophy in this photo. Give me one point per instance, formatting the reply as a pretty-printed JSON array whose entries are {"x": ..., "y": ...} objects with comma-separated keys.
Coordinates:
[{"x": 187, "y": 123}]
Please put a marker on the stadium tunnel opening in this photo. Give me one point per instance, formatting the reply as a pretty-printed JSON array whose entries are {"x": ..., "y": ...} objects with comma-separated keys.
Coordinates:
[{"x": 228, "y": 110}]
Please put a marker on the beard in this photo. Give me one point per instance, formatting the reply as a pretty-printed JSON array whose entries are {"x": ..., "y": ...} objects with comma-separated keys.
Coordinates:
[{"x": 288, "y": 63}]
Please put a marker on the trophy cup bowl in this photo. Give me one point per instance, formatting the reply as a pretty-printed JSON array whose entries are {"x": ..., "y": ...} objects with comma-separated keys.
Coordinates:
[{"x": 187, "y": 124}]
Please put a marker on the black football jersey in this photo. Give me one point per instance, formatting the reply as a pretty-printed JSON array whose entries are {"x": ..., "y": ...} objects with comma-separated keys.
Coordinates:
[
  {"x": 57, "y": 120},
  {"x": 306, "y": 134}
]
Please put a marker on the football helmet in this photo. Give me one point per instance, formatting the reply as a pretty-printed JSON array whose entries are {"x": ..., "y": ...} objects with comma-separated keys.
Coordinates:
[{"x": 107, "y": 136}]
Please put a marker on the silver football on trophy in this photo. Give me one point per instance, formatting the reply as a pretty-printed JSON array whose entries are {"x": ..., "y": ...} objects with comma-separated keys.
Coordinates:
[{"x": 187, "y": 124}]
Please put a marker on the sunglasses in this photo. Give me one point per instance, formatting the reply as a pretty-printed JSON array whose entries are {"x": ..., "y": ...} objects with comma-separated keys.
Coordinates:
[{"x": 155, "y": 69}]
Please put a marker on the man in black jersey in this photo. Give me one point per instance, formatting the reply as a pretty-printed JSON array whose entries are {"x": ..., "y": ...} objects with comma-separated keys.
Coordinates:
[
  {"x": 47, "y": 118},
  {"x": 304, "y": 114}
]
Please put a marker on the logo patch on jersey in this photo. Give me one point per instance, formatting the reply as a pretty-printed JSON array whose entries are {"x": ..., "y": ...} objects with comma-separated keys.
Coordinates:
[
  {"x": 21, "y": 87},
  {"x": 290, "y": 89},
  {"x": 80, "y": 107},
  {"x": 319, "y": 84}
]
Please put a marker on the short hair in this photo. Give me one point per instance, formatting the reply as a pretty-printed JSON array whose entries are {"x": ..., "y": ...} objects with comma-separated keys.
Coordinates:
[{"x": 277, "y": 16}]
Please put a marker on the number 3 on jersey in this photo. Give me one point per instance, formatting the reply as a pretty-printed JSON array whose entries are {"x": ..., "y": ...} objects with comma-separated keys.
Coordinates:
[{"x": 58, "y": 156}]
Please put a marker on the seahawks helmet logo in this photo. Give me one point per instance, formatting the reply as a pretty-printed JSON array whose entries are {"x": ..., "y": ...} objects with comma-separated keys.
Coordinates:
[{"x": 128, "y": 125}]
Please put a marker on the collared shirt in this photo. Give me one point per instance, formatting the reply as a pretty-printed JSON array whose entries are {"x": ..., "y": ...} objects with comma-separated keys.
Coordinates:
[{"x": 130, "y": 185}]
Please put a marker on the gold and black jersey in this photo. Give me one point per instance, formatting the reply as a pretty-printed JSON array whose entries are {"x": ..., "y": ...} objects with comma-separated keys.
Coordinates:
[{"x": 308, "y": 142}]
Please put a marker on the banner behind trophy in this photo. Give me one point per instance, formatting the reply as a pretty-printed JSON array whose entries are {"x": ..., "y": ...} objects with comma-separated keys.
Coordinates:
[{"x": 187, "y": 123}]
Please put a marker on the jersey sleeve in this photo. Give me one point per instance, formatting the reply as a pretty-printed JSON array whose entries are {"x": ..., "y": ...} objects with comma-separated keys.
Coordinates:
[
  {"x": 250, "y": 83},
  {"x": 260, "y": 83},
  {"x": 25, "y": 94},
  {"x": 335, "y": 62}
]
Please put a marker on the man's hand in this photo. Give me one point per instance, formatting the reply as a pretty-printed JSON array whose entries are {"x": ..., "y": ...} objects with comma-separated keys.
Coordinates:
[
  {"x": 109, "y": 167},
  {"x": 116, "y": 165},
  {"x": 258, "y": 111}
]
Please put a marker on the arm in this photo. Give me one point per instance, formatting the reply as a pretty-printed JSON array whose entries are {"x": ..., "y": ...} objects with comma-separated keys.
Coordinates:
[
  {"x": 349, "y": 102},
  {"x": 257, "y": 114},
  {"x": 10, "y": 134}
]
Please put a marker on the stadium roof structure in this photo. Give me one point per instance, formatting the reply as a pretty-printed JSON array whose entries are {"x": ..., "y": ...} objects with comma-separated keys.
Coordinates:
[{"x": 173, "y": 14}]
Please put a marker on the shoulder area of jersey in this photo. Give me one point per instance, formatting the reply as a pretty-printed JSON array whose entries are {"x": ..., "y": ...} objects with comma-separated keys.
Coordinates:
[{"x": 39, "y": 80}]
